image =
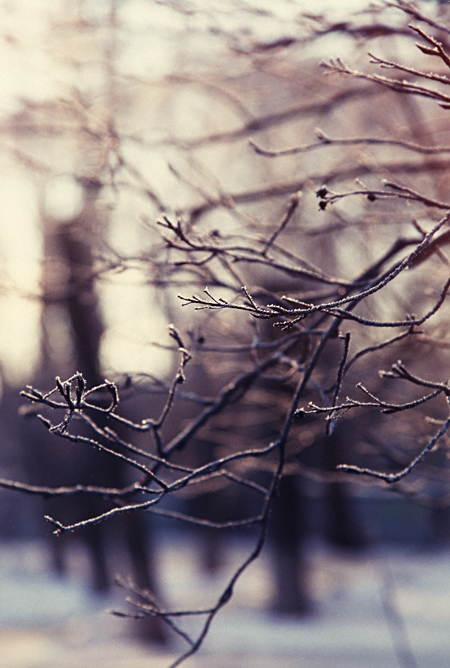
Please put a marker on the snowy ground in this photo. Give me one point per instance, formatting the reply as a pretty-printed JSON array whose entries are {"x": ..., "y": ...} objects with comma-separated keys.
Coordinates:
[{"x": 49, "y": 623}]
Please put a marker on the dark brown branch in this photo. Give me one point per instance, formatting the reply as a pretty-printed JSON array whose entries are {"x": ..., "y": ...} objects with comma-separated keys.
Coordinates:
[{"x": 396, "y": 477}]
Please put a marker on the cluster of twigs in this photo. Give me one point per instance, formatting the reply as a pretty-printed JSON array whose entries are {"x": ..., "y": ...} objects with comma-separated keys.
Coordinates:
[
  {"x": 159, "y": 477},
  {"x": 304, "y": 364}
]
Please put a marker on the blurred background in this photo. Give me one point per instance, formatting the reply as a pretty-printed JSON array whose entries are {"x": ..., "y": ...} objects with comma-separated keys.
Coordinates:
[{"x": 114, "y": 113}]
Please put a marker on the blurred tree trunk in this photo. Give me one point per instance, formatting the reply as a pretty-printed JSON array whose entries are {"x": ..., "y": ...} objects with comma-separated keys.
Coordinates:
[
  {"x": 72, "y": 285},
  {"x": 343, "y": 527},
  {"x": 289, "y": 565}
]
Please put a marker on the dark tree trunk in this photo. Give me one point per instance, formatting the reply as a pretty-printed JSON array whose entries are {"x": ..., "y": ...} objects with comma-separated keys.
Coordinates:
[{"x": 288, "y": 534}]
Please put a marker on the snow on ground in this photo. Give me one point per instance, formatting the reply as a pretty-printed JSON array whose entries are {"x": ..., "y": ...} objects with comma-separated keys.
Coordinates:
[{"x": 46, "y": 622}]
